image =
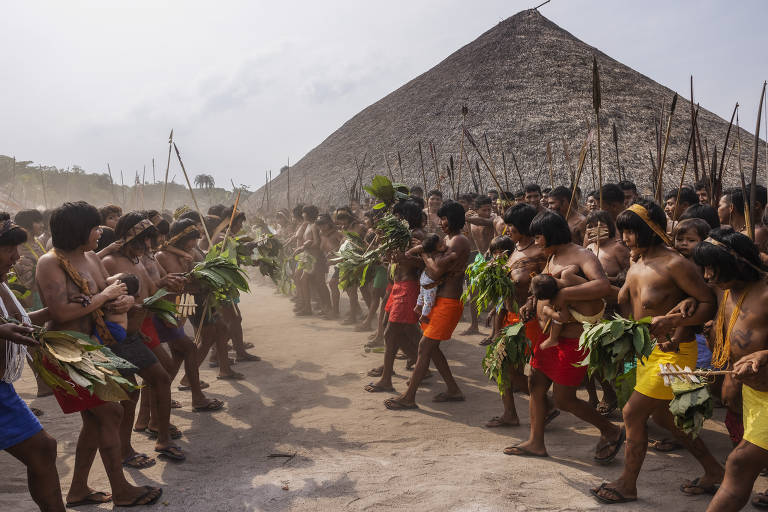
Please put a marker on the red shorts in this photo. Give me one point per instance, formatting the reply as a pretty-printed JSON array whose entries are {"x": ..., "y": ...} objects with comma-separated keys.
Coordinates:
[
  {"x": 402, "y": 301},
  {"x": 443, "y": 319},
  {"x": 559, "y": 363},
  {"x": 151, "y": 338}
]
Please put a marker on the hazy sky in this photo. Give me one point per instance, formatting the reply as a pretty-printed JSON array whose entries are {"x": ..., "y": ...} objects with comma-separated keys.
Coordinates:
[{"x": 247, "y": 85}]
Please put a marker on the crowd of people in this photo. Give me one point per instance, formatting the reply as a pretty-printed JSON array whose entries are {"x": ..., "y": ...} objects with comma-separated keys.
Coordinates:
[
  {"x": 697, "y": 270},
  {"x": 86, "y": 269}
]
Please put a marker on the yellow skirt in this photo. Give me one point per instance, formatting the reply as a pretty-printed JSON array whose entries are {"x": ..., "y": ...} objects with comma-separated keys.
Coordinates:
[
  {"x": 648, "y": 381},
  {"x": 755, "y": 416}
]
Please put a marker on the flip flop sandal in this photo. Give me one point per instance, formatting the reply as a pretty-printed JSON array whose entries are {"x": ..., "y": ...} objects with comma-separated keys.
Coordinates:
[
  {"x": 139, "y": 501},
  {"x": 497, "y": 422},
  {"x": 605, "y": 409},
  {"x": 373, "y": 388},
  {"x": 445, "y": 397},
  {"x": 37, "y": 412},
  {"x": 760, "y": 500},
  {"x": 172, "y": 452},
  {"x": 687, "y": 487},
  {"x": 248, "y": 345},
  {"x": 148, "y": 461},
  {"x": 203, "y": 385},
  {"x": 616, "y": 446},
  {"x": 234, "y": 376},
  {"x": 619, "y": 497},
  {"x": 91, "y": 500},
  {"x": 214, "y": 405},
  {"x": 666, "y": 445},
  {"x": 522, "y": 452},
  {"x": 554, "y": 413},
  {"x": 249, "y": 357},
  {"x": 173, "y": 430},
  {"x": 394, "y": 405},
  {"x": 175, "y": 404}
]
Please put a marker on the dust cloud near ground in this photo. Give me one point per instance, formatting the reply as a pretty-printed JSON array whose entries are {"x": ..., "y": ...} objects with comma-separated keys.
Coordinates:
[{"x": 345, "y": 451}]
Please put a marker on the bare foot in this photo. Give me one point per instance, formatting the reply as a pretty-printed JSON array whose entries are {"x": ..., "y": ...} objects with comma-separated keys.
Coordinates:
[
  {"x": 526, "y": 449},
  {"x": 548, "y": 343},
  {"x": 144, "y": 495},
  {"x": 503, "y": 421},
  {"x": 614, "y": 492}
]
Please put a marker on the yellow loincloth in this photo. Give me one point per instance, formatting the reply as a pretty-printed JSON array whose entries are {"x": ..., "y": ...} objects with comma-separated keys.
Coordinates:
[
  {"x": 755, "y": 414},
  {"x": 648, "y": 381}
]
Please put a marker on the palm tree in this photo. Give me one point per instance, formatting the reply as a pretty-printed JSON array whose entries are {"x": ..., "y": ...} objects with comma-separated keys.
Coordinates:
[{"x": 204, "y": 181}]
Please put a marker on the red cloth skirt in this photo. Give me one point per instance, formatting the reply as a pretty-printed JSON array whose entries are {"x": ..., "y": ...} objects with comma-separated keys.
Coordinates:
[
  {"x": 148, "y": 329},
  {"x": 559, "y": 363},
  {"x": 68, "y": 403},
  {"x": 402, "y": 301}
]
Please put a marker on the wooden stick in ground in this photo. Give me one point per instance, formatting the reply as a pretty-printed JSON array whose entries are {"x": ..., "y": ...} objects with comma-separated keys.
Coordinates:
[
  {"x": 659, "y": 185},
  {"x": 616, "y": 146},
  {"x": 747, "y": 217},
  {"x": 423, "y": 174},
  {"x": 389, "y": 169},
  {"x": 753, "y": 184},
  {"x": 718, "y": 183},
  {"x": 474, "y": 145},
  {"x": 596, "y": 100},
  {"x": 551, "y": 169},
  {"x": 464, "y": 112},
  {"x": 231, "y": 219},
  {"x": 111, "y": 181},
  {"x": 685, "y": 165},
  {"x": 167, "y": 167},
  {"x": 567, "y": 154},
  {"x": 519, "y": 174},
  {"x": 437, "y": 172},
  {"x": 192, "y": 193},
  {"x": 493, "y": 164},
  {"x": 577, "y": 178}
]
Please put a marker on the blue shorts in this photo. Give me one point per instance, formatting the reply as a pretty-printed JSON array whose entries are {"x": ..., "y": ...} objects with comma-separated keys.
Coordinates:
[
  {"x": 17, "y": 423},
  {"x": 704, "y": 359}
]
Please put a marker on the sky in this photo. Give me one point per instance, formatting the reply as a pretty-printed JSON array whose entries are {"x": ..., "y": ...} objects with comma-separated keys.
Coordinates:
[{"x": 248, "y": 86}]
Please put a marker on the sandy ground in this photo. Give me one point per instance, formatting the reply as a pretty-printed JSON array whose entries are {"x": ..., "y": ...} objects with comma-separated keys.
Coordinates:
[{"x": 306, "y": 398}]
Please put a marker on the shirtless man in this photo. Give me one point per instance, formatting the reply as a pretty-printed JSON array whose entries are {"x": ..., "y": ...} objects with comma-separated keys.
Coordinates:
[
  {"x": 313, "y": 275},
  {"x": 630, "y": 192},
  {"x": 434, "y": 202},
  {"x": 402, "y": 331},
  {"x": 731, "y": 213},
  {"x": 558, "y": 201},
  {"x": 348, "y": 222},
  {"x": 657, "y": 282},
  {"x": 674, "y": 208},
  {"x": 731, "y": 262},
  {"x": 75, "y": 232},
  {"x": 533, "y": 196},
  {"x": 135, "y": 232},
  {"x": 481, "y": 227},
  {"x": 613, "y": 200},
  {"x": 330, "y": 241},
  {"x": 526, "y": 260},
  {"x": 558, "y": 366},
  {"x": 446, "y": 313}
]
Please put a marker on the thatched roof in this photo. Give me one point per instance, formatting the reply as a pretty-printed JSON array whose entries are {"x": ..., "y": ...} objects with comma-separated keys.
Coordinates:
[{"x": 525, "y": 82}]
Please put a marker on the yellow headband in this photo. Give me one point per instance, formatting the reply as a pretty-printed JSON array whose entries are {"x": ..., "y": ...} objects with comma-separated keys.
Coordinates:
[
  {"x": 137, "y": 229},
  {"x": 175, "y": 238},
  {"x": 718, "y": 243},
  {"x": 641, "y": 212}
]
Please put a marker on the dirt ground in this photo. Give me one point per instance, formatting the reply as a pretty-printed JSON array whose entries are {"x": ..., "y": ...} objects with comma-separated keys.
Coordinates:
[{"x": 306, "y": 398}]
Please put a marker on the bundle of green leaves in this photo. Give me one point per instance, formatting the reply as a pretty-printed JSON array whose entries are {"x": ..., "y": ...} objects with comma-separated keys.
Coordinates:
[
  {"x": 611, "y": 343},
  {"x": 489, "y": 283},
  {"x": 222, "y": 277},
  {"x": 691, "y": 406},
  {"x": 93, "y": 367},
  {"x": 386, "y": 192},
  {"x": 510, "y": 350},
  {"x": 355, "y": 258},
  {"x": 19, "y": 290},
  {"x": 165, "y": 310}
]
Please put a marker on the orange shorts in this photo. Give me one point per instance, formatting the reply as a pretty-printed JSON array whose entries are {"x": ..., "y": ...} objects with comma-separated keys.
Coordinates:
[{"x": 443, "y": 319}]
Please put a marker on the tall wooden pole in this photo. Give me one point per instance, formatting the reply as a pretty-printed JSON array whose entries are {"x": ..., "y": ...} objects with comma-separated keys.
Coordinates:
[
  {"x": 167, "y": 167},
  {"x": 423, "y": 174},
  {"x": 659, "y": 185},
  {"x": 464, "y": 112},
  {"x": 596, "y": 100},
  {"x": 288, "y": 175},
  {"x": 753, "y": 184},
  {"x": 192, "y": 193}
]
